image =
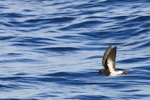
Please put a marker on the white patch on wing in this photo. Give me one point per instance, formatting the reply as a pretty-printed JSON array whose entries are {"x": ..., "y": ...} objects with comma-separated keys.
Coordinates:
[
  {"x": 110, "y": 65},
  {"x": 111, "y": 60}
]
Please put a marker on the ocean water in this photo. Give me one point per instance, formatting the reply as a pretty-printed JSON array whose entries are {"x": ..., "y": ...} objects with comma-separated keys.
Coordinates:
[{"x": 52, "y": 49}]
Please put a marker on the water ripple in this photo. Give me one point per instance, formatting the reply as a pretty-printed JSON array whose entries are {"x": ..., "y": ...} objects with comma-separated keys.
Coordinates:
[{"x": 53, "y": 49}]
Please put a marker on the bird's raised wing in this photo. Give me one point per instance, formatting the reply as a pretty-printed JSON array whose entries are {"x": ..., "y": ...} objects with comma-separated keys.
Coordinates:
[
  {"x": 106, "y": 55},
  {"x": 111, "y": 60}
]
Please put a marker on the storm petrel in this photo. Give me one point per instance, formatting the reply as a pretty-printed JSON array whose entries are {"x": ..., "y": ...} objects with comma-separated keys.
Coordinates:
[{"x": 108, "y": 61}]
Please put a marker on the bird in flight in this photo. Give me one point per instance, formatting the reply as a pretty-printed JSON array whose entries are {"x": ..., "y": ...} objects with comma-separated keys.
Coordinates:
[{"x": 109, "y": 61}]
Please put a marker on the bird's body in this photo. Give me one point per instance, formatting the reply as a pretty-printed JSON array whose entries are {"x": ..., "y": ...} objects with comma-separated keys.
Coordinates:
[{"x": 109, "y": 60}]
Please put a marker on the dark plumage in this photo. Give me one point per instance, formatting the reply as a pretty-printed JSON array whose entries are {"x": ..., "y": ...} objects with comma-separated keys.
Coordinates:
[{"x": 108, "y": 61}]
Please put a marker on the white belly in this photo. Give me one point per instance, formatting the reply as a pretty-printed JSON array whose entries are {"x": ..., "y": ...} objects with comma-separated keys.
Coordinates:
[{"x": 115, "y": 73}]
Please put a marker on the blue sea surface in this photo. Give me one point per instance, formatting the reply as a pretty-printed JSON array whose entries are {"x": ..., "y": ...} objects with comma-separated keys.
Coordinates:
[{"x": 53, "y": 49}]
